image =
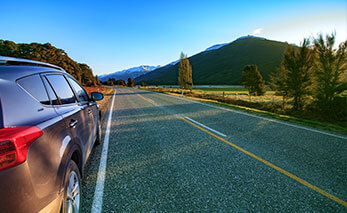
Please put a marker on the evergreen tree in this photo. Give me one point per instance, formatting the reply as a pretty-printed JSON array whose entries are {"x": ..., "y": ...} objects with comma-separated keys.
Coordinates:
[
  {"x": 330, "y": 71},
  {"x": 252, "y": 80},
  {"x": 131, "y": 82},
  {"x": 277, "y": 83},
  {"x": 294, "y": 77},
  {"x": 185, "y": 78}
]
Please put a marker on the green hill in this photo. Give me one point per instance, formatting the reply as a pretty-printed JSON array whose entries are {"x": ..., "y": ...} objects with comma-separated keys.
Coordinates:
[{"x": 223, "y": 66}]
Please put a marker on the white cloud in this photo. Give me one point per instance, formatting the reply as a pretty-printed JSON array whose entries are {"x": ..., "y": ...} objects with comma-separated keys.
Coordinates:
[{"x": 257, "y": 31}]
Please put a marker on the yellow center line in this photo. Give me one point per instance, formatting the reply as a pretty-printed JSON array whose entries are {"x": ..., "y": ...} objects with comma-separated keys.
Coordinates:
[
  {"x": 315, "y": 188},
  {"x": 144, "y": 98},
  {"x": 294, "y": 177}
]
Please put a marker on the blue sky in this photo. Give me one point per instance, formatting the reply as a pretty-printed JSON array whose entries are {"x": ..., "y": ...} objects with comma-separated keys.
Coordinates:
[{"x": 114, "y": 35}]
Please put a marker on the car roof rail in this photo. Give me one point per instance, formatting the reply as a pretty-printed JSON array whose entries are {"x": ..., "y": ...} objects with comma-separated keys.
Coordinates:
[{"x": 4, "y": 60}]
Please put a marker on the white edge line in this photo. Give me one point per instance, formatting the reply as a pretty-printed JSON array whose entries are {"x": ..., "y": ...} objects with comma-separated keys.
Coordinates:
[
  {"x": 259, "y": 117},
  {"x": 206, "y": 127},
  {"x": 200, "y": 124},
  {"x": 99, "y": 188}
]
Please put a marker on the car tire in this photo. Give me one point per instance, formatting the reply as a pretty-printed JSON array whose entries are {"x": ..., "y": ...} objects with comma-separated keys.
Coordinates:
[
  {"x": 98, "y": 134},
  {"x": 72, "y": 189}
]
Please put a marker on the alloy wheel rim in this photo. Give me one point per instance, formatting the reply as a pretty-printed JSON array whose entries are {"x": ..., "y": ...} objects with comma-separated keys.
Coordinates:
[{"x": 73, "y": 193}]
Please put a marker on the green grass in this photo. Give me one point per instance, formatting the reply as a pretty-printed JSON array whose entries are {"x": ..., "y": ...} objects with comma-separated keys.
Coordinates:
[
  {"x": 261, "y": 99},
  {"x": 211, "y": 89},
  {"x": 310, "y": 123}
]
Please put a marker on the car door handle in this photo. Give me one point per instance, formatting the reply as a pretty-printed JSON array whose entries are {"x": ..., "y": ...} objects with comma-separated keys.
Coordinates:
[
  {"x": 89, "y": 111},
  {"x": 73, "y": 123}
]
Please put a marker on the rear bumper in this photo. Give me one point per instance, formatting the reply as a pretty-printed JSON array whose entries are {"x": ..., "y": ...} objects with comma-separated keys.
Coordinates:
[
  {"x": 17, "y": 193},
  {"x": 54, "y": 206}
]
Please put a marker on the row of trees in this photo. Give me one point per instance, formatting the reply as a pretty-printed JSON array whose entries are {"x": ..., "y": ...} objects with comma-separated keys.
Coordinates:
[
  {"x": 113, "y": 82},
  {"x": 317, "y": 71},
  {"x": 310, "y": 72},
  {"x": 50, "y": 54}
]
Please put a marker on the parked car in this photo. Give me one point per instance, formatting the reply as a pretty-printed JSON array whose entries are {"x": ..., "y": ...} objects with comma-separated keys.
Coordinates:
[{"x": 48, "y": 127}]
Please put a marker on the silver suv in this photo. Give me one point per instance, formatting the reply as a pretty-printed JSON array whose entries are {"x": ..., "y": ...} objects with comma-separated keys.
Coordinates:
[{"x": 48, "y": 127}]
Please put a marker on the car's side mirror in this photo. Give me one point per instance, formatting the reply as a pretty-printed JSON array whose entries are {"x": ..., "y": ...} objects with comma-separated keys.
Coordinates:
[{"x": 97, "y": 96}]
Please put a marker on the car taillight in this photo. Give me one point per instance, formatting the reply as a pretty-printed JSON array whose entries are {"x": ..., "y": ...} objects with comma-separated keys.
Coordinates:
[{"x": 14, "y": 144}]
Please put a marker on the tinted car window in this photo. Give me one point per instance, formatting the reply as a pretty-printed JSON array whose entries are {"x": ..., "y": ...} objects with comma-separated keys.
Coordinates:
[
  {"x": 51, "y": 94},
  {"x": 33, "y": 85},
  {"x": 62, "y": 89},
  {"x": 81, "y": 94}
]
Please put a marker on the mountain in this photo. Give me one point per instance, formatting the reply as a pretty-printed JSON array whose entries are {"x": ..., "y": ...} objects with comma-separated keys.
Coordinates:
[
  {"x": 129, "y": 73},
  {"x": 214, "y": 47},
  {"x": 223, "y": 64}
]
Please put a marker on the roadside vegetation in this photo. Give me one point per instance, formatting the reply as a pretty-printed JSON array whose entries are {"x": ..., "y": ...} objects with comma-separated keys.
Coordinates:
[
  {"x": 50, "y": 54},
  {"x": 107, "y": 95},
  {"x": 114, "y": 82},
  {"x": 309, "y": 87},
  {"x": 185, "y": 78}
]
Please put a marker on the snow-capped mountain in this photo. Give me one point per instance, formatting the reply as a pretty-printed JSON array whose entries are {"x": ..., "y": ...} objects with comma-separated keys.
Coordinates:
[
  {"x": 174, "y": 62},
  {"x": 251, "y": 36},
  {"x": 133, "y": 73},
  {"x": 214, "y": 47},
  {"x": 223, "y": 60}
]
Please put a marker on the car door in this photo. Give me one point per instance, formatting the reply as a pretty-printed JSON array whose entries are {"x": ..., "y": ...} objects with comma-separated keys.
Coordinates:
[
  {"x": 70, "y": 109},
  {"x": 89, "y": 112}
]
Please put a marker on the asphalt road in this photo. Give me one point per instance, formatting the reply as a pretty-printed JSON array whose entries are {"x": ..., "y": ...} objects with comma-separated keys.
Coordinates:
[{"x": 170, "y": 154}]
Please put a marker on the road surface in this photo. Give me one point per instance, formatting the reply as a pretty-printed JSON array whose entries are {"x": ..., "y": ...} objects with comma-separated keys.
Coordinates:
[{"x": 169, "y": 154}]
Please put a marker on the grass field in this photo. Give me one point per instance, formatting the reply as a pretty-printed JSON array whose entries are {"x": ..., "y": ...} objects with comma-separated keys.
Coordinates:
[
  {"x": 234, "y": 93},
  {"x": 269, "y": 104}
]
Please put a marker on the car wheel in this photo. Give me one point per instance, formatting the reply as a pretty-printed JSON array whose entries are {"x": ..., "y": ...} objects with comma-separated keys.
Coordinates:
[
  {"x": 72, "y": 189},
  {"x": 98, "y": 134}
]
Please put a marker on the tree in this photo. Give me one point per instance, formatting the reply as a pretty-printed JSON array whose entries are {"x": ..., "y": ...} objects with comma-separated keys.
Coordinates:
[
  {"x": 294, "y": 77},
  {"x": 120, "y": 82},
  {"x": 49, "y": 54},
  {"x": 97, "y": 80},
  {"x": 330, "y": 70},
  {"x": 252, "y": 80},
  {"x": 185, "y": 79},
  {"x": 131, "y": 82},
  {"x": 143, "y": 84},
  {"x": 277, "y": 83},
  {"x": 87, "y": 77}
]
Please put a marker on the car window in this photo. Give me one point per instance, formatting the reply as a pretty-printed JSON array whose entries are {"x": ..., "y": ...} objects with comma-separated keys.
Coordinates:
[
  {"x": 62, "y": 89},
  {"x": 80, "y": 92},
  {"x": 33, "y": 85},
  {"x": 51, "y": 94}
]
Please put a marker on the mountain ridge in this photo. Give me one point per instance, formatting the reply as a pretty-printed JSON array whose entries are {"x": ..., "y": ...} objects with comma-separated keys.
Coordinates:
[
  {"x": 223, "y": 65},
  {"x": 132, "y": 72}
]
